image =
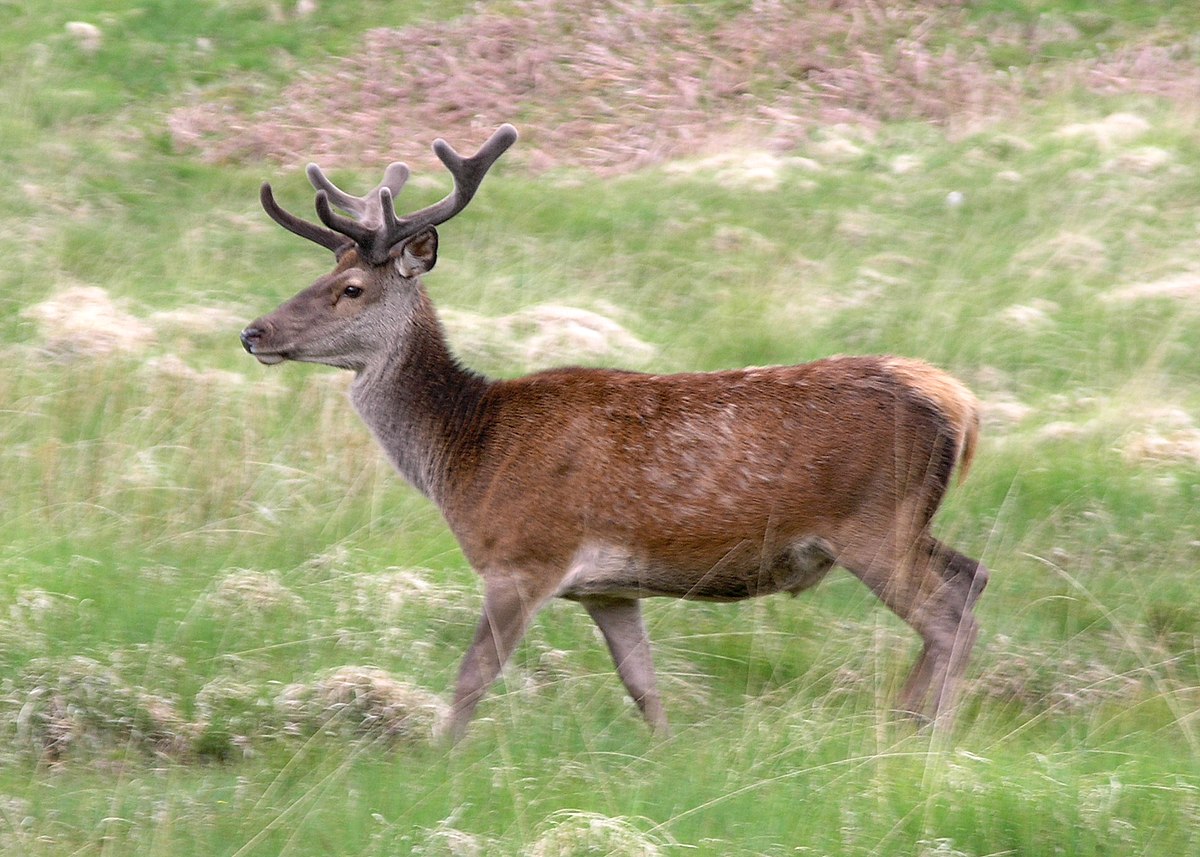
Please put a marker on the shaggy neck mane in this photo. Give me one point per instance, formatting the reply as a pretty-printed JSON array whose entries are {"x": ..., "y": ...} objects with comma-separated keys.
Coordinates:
[{"x": 423, "y": 406}]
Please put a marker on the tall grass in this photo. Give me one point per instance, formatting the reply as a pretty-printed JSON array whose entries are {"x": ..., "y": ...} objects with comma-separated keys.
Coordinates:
[{"x": 228, "y": 627}]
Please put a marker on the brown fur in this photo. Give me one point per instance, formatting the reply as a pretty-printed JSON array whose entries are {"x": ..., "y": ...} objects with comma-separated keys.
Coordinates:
[
  {"x": 605, "y": 486},
  {"x": 948, "y": 395},
  {"x": 686, "y": 467}
]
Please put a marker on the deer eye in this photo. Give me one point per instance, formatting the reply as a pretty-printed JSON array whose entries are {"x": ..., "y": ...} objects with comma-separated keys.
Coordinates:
[{"x": 352, "y": 292}]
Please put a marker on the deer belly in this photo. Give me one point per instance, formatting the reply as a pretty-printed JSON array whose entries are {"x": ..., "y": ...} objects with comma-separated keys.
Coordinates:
[{"x": 743, "y": 570}]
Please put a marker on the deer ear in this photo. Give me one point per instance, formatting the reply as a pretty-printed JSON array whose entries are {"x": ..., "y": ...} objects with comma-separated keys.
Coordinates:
[{"x": 418, "y": 254}]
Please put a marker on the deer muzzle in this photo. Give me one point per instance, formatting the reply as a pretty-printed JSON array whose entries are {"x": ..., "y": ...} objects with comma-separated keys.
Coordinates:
[{"x": 251, "y": 337}]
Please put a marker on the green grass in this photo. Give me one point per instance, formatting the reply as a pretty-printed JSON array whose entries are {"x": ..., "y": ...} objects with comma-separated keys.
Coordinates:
[{"x": 188, "y": 540}]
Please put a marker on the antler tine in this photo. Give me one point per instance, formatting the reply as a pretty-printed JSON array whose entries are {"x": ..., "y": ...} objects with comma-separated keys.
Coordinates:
[
  {"x": 362, "y": 234},
  {"x": 362, "y": 207},
  {"x": 325, "y": 237},
  {"x": 394, "y": 177},
  {"x": 468, "y": 173},
  {"x": 374, "y": 216}
]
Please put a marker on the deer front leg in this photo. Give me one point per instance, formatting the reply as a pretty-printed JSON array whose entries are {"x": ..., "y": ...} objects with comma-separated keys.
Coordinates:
[
  {"x": 620, "y": 621},
  {"x": 508, "y": 606}
]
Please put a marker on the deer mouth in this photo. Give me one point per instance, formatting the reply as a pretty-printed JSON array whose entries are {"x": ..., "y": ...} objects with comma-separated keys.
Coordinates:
[{"x": 269, "y": 359}]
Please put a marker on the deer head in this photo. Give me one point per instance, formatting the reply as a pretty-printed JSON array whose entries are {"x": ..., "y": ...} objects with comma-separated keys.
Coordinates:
[{"x": 352, "y": 313}]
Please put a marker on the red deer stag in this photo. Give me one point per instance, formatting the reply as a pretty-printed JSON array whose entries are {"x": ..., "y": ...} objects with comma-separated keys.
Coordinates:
[{"x": 605, "y": 487}]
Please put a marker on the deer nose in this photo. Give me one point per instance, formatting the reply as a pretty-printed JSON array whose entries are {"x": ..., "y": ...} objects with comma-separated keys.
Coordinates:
[{"x": 250, "y": 336}]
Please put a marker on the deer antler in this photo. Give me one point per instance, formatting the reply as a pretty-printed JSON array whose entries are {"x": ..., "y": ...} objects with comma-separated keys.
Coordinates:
[
  {"x": 325, "y": 237},
  {"x": 468, "y": 174},
  {"x": 363, "y": 207},
  {"x": 373, "y": 225}
]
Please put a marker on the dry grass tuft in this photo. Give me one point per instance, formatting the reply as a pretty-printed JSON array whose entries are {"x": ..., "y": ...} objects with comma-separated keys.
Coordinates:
[
  {"x": 362, "y": 701},
  {"x": 1034, "y": 316},
  {"x": 66, "y": 704},
  {"x": 32, "y": 608},
  {"x": 1183, "y": 286},
  {"x": 173, "y": 366},
  {"x": 84, "y": 320},
  {"x": 1164, "y": 433},
  {"x": 752, "y": 170},
  {"x": 195, "y": 319},
  {"x": 544, "y": 335},
  {"x": 447, "y": 841},
  {"x": 573, "y": 833},
  {"x": 386, "y": 596},
  {"x": 87, "y": 37},
  {"x": 243, "y": 590},
  {"x": 1041, "y": 681},
  {"x": 1066, "y": 251},
  {"x": 1003, "y": 410},
  {"x": 1140, "y": 161},
  {"x": 1178, "y": 445},
  {"x": 1109, "y": 132}
]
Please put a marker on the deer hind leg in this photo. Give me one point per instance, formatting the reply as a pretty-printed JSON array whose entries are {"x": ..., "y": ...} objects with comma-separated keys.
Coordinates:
[
  {"x": 620, "y": 621},
  {"x": 933, "y": 588},
  {"x": 964, "y": 580},
  {"x": 509, "y": 604}
]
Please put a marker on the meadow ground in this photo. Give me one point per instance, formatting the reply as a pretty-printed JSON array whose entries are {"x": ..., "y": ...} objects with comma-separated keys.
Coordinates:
[{"x": 229, "y": 628}]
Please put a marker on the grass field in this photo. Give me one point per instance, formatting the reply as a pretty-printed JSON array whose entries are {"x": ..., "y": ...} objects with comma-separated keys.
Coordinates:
[{"x": 229, "y": 628}]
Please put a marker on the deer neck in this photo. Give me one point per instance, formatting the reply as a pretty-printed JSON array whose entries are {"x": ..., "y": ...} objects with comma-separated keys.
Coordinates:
[{"x": 421, "y": 404}]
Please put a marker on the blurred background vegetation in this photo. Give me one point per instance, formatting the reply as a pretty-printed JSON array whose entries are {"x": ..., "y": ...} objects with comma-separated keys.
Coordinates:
[{"x": 229, "y": 628}]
